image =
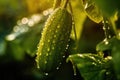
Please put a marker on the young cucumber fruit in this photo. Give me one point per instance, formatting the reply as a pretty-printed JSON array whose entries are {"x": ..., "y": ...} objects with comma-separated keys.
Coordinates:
[{"x": 54, "y": 40}]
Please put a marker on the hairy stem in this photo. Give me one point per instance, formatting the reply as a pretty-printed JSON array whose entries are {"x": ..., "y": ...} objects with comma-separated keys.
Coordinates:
[
  {"x": 73, "y": 21},
  {"x": 107, "y": 28},
  {"x": 56, "y": 4},
  {"x": 64, "y": 4}
]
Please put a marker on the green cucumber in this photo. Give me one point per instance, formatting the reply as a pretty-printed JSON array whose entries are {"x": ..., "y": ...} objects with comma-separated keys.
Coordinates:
[{"x": 54, "y": 40}]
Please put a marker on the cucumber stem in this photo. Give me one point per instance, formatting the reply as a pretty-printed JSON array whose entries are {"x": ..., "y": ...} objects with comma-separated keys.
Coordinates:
[
  {"x": 73, "y": 21},
  {"x": 64, "y": 5},
  {"x": 109, "y": 32},
  {"x": 56, "y": 4}
]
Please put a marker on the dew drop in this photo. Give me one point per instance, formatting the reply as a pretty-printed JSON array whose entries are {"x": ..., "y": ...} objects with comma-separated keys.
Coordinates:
[
  {"x": 42, "y": 33},
  {"x": 80, "y": 55},
  {"x": 46, "y": 74},
  {"x": 106, "y": 42},
  {"x": 94, "y": 63},
  {"x": 93, "y": 58},
  {"x": 40, "y": 54},
  {"x": 99, "y": 61},
  {"x": 86, "y": 6},
  {"x": 104, "y": 28},
  {"x": 51, "y": 19},
  {"x": 75, "y": 73},
  {"x": 57, "y": 68},
  {"x": 42, "y": 43},
  {"x": 47, "y": 25},
  {"x": 74, "y": 69},
  {"x": 37, "y": 53},
  {"x": 63, "y": 56},
  {"x": 67, "y": 46}
]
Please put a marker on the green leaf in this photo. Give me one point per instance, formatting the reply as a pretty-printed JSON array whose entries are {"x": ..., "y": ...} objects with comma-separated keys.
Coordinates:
[
  {"x": 31, "y": 39},
  {"x": 92, "y": 66},
  {"x": 92, "y": 11},
  {"x": 116, "y": 56},
  {"x": 104, "y": 45},
  {"x": 107, "y": 44},
  {"x": 108, "y": 7},
  {"x": 113, "y": 45},
  {"x": 15, "y": 50},
  {"x": 79, "y": 17}
]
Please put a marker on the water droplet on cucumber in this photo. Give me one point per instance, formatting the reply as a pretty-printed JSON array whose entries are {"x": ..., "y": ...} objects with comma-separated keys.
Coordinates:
[
  {"x": 40, "y": 54},
  {"x": 42, "y": 43}
]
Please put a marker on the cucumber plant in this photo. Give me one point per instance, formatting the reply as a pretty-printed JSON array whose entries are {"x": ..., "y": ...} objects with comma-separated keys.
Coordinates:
[{"x": 64, "y": 27}]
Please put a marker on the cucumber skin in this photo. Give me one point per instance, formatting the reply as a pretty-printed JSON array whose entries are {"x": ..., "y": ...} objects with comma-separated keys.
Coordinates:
[{"x": 54, "y": 40}]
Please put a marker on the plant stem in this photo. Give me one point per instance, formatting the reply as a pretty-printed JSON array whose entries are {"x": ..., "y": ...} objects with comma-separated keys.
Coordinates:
[
  {"x": 106, "y": 28},
  {"x": 73, "y": 22},
  {"x": 56, "y": 4},
  {"x": 64, "y": 5}
]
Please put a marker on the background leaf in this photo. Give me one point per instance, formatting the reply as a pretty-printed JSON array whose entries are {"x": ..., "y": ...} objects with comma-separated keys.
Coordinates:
[
  {"x": 108, "y": 7},
  {"x": 116, "y": 56},
  {"x": 92, "y": 66},
  {"x": 92, "y": 11}
]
